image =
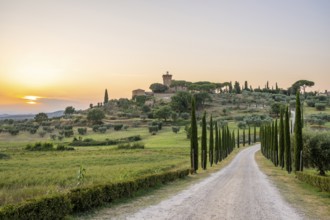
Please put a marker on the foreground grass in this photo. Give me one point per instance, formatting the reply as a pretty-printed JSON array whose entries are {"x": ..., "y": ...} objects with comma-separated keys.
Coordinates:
[
  {"x": 312, "y": 202},
  {"x": 28, "y": 175}
]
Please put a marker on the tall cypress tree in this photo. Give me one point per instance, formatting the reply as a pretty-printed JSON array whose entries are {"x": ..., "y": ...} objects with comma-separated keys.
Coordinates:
[
  {"x": 211, "y": 141},
  {"x": 106, "y": 97},
  {"x": 238, "y": 138},
  {"x": 281, "y": 140},
  {"x": 276, "y": 144},
  {"x": 243, "y": 137},
  {"x": 249, "y": 138},
  {"x": 255, "y": 134},
  {"x": 194, "y": 138},
  {"x": 298, "y": 163},
  {"x": 220, "y": 145},
  {"x": 287, "y": 143},
  {"x": 216, "y": 155},
  {"x": 204, "y": 142}
]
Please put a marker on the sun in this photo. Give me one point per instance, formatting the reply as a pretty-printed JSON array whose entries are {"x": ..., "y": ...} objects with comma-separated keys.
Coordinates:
[{"x": 30, "y": 99}]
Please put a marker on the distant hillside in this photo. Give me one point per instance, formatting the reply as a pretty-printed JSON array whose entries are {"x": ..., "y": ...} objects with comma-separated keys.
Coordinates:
[{"x": 30, "y": 116}]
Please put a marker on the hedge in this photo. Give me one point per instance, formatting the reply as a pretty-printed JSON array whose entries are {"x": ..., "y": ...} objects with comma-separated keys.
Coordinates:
[
  {"x": 321, "y": 182},
  {"x": 84, "y": 199},
  {"x": 55, "y": 207},
  {"x": 91, "y": 142}
]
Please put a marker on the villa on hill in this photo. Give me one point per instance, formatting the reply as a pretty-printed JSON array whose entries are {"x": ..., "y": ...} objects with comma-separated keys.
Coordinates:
[{"x": 166, "y": 95}]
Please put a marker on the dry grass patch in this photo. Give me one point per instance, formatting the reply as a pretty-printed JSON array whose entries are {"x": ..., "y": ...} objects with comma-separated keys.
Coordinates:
[{"x": 313, "y": 203}]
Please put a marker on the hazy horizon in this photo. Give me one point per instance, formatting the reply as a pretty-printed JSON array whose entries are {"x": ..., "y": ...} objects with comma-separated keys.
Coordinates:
[{"x": 69, "y": 52}]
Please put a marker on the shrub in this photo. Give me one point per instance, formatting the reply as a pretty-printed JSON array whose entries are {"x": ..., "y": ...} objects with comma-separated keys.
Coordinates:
[
  {"x": 242, "y": 125},
  {"x": 310, "y": 103},
  {"x": 68, "y": 133},
  {"x": 320, "y": 106},
  {"x": 42, "y": 133},
  {"x": 176, "y": 129},
  {"x": 131, "y": 146},
  {"x": 317, "y": 150},
  {"x": 321, "y": 182},
  {"x": 185, "y": 115},
  {"x": 82, "y": 131},
  {"x": 40, "y": 147},
  {"x": 4, "y": 156},
  {"x": 96, "y": 128},
  {"x": 153, "y": 129},
  {"x": 62, "y": 147},
  {"x": 55, "y": 207},
  {"x": 13, "y": 131},
  {"x": 102, "y": 129},
  {"x": 118, "y": 127}
]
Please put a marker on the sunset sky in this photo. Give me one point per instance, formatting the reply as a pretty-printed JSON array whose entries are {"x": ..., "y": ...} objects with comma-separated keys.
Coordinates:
[{"x": 67, "y": 52}]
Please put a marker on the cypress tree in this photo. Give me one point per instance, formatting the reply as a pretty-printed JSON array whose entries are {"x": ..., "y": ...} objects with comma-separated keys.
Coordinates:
[
  {"x": 249, "y": 138},
  {"x": 281, "y": 140},
  {"x": 272, "y": 143},
  {"x": 238, "y": 138},
  {"x": 194, "y": 138},
  {"x": 276, "y": 144},
  {"x": 255, "y": 134},
  {"x": 220, "y": 146},
  {"x": 243, "y": 137},
  {"x": 216, "y": 156},
  {"x": 233, "y": 140},
  {"x": 211, "y": 142},
  {"x": 287, "y": 144},
  {"x": 298, "y": 163},
  {"x": 106, "y": 97},
  {"x": 204, "y": 142}
]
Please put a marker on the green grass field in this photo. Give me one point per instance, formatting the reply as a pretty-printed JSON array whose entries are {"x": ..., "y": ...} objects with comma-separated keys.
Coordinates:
[{"x": 30, "y": 174}]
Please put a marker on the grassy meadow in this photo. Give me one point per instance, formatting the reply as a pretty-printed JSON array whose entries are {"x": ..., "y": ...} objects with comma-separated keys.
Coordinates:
[{"x": 30, "y": 174}]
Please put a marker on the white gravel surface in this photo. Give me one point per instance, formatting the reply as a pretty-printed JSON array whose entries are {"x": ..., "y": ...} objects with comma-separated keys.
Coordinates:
[{"x": 238, "y": 191}]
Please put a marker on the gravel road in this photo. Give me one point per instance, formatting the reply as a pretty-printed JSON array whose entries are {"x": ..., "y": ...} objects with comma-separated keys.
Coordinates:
[{"x": 238, "y": 191}]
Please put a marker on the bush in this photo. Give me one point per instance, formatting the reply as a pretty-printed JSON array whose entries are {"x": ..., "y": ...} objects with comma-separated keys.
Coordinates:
[
  {"x": 56, "y": 207},
  {"x": 42, "y": 133},
  {"x": 310, "y": 103},
  {"x": 118, "y": 127},
  {"x": 82, "y": 131},
  {"x": 320, "y": 106},
  {"x": 176, "y": 129},
  {"x": 40, "y": 147},
  {"x": 185, "y": 115},
  {"x": 317, "y": 150},
  {"x": 131, "y": 146},
  {"x": 13, "y": 131},
  {"x": 102, "y": 129},
  {"x": 4, "y": 156},
  {"x": 68, "y": 133},
  {"x": 153, "y": 129},
  {"x": 62, "y": 147},
  {"x": 321, "y": 182}
]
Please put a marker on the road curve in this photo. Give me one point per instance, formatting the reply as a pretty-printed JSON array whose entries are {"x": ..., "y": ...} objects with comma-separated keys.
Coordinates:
[{"x": 238, "y": 191}]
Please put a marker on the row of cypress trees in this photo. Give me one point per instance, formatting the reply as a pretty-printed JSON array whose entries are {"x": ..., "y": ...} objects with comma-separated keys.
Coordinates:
[
  {"x": 221, "y": 142},
  {"x": 250, "y": 141},
  {"x": 276, "y": 142}
]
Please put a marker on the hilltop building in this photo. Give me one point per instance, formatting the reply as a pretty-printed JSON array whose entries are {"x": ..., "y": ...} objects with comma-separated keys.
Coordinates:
[
  {"x": 167, "y": 79},
  {"x": 166, "y": 96},
  {"x": 138, "y": 92}
]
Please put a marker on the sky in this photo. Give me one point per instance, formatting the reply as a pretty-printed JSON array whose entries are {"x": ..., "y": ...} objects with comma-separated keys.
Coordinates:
[{"x": 67, "y": 52}]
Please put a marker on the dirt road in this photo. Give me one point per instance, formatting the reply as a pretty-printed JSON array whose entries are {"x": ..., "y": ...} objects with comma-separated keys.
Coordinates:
[{"x": 238, "y": 191}]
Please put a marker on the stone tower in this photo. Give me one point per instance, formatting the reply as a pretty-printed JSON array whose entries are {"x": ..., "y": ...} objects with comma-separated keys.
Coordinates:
[{"x": 167, "y": 79}]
